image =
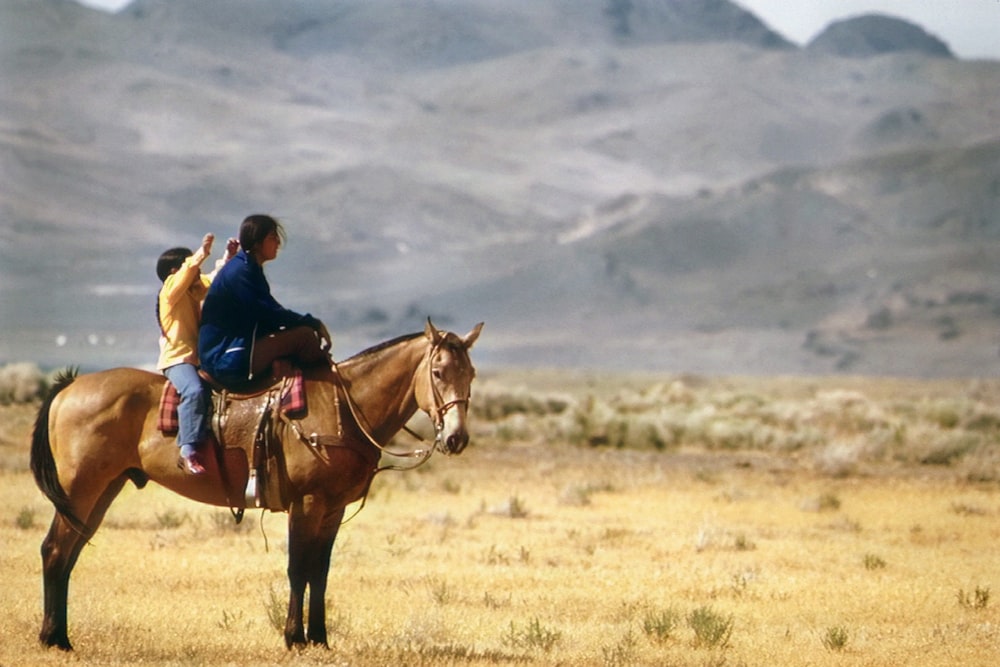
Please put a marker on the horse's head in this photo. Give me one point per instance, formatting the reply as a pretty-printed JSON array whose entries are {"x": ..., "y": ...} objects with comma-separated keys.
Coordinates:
[{"x": 444, "y": 386}]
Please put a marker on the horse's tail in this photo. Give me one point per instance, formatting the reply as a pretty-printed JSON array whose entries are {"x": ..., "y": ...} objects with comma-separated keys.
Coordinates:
[{"x": 43, "y": 464}]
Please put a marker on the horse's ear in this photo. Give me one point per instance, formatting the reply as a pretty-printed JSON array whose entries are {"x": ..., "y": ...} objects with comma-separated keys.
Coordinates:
[
  {"x": 471, "y": 337},
  {"x": 433, "y": 335}
]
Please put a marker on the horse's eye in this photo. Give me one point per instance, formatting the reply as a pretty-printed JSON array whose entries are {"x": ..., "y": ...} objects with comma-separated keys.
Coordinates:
[{"x": 436, "y": 373}]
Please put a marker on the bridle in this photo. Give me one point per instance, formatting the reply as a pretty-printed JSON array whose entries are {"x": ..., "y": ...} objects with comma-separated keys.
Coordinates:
[
  {"x": 436, "y": 413},
  {"x": 440, "y": 407}
]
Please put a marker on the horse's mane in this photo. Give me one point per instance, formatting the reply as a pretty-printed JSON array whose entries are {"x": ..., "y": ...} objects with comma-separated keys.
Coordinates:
[
  {"x": 451, "y": 340},
  {"x": 378, "y": 347}
]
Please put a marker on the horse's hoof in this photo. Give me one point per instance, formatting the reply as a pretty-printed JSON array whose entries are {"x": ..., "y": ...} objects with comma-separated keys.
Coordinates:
[{"x": 61, "y": 643}]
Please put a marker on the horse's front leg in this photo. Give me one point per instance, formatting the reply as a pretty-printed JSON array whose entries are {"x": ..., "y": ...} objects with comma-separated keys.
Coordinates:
[
  {"x": 300, "y": 530},
  {"x": 311, "y": 532},
  {"x": 318, "y": 571}
]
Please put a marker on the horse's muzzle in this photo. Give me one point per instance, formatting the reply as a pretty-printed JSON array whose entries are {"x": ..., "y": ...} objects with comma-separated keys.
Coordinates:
[
  {"x": 456, "y": 442},
  {"x": 452, "y": 443}
]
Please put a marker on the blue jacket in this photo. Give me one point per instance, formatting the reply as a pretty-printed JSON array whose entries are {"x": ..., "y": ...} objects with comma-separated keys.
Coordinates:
[{"x": 238, "y": 309}]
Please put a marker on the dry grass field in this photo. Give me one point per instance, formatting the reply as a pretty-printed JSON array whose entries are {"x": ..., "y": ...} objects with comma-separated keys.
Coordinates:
[{"x": 593, "y": 521}]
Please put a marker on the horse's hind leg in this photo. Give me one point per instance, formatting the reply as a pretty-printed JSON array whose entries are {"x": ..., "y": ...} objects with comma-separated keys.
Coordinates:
[
  {"x": 59, "y": 553},
  {"x": 301, "y": 531},
  {"x": 60, "y": 550}
]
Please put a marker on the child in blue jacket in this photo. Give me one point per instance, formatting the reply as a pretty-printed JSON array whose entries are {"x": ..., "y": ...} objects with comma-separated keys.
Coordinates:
[{"x": 243, "y": 328}]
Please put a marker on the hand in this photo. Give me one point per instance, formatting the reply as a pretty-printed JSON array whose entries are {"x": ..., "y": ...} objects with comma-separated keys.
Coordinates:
[
  {"x": 206, "y": 244},
  {"x": 232, "y": 247},
  {"x": 325, "y": 341}
]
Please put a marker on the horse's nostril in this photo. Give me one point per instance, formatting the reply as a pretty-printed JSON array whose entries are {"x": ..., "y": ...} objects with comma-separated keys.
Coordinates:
[{"x": 457, "y": 442}]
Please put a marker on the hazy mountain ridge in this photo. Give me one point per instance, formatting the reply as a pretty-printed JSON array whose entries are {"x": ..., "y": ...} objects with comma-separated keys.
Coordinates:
[
  {"x": 728, "y": 207},
  {"x": 413, "y": 34},
  {"x": 874, "y": 34}
]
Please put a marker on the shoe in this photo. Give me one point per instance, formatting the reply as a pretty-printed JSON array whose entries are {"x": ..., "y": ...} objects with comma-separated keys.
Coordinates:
[{"x": 191, "y": 465}]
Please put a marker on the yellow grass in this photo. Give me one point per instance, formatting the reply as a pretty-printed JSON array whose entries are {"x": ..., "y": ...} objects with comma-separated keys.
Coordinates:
[{"x": 530, "y": 552}]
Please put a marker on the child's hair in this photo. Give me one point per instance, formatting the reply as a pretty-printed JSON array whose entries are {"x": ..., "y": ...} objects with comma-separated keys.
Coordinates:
[
  {"x": 255, "y": 229},
  {"x": 170, "y": 260}
]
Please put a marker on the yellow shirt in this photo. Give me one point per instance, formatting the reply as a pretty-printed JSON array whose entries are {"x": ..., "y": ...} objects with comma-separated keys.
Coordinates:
[{"x": 180, "y": 312}]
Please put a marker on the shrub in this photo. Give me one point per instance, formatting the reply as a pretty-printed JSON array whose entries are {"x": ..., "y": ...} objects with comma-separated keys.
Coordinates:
[
  {"x": 873, "y": 562},
  {"x": 230, "y": 620},
  {"x": 276, "y": 610},
  {"x": 622, "y": 653},
  {"x": 514, "y": 508},
  {"x": 839, "y": 458},
  {"x": 499, "y": 405},
  {"x": 171, "y": 519},
  {"x": 828, "y": 501},
  {"x": 533, "y": 636},
  {"x": 711, "y": 628},
  {"x": 659, "y": 625},
  {"x": 835, "y": 638},
  {"x": 440, "y": 592},
  {"x": 946, "y": 414},
  {"x": 966, "y": 509},
  {"x": 25, "y": 518},
  {"x": 983, "y": 420},
  {"x": 930, "y": 445},
  {"x": 978, "y": 599},
  {"x": 21, "y": 383}
]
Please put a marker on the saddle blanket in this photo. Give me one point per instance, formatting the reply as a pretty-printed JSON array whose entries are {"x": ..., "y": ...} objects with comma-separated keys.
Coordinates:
[{"x": 293, "y": 403}]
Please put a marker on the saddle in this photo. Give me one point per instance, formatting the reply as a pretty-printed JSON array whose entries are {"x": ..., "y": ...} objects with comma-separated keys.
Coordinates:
[{"x": 278, "y": 399}]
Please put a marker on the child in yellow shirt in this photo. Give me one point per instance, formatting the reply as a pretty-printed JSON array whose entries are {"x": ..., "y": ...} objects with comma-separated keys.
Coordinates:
[{"x": 178, "y": 309}]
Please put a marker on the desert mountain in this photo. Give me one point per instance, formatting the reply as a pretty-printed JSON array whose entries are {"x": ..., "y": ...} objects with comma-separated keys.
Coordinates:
[
  {"x": 643, "y": 184},
  {"x": 875, "y": 34}
]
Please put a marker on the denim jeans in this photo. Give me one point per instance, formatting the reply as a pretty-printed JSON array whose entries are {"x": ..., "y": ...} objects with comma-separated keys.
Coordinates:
[{"x": 193, "y": 407}]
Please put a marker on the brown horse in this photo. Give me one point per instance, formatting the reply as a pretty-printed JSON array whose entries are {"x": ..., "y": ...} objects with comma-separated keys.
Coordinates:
[{"x": 97, "y": 431}]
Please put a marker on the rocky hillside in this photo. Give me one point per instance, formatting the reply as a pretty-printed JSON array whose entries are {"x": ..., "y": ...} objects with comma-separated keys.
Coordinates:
[{"x": 644, "y": 184}]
